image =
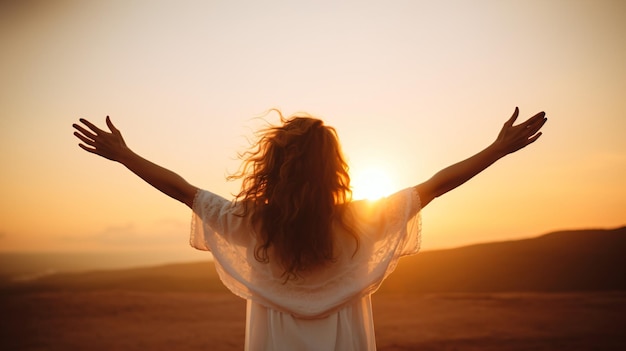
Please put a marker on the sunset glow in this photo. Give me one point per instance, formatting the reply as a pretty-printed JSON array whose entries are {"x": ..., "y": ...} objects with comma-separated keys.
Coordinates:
[
  {"x": 410, "y": 86},
  {"x": 371, "y": 184}
]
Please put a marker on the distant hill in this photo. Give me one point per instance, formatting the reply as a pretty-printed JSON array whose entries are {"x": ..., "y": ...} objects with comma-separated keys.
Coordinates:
[
  {"x": 187, "y": 277},
  {"x": 580, "y": 260}
]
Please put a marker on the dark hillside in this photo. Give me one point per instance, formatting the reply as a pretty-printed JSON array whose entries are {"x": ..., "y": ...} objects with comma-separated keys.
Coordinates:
[{"x": 582, "y": 260}]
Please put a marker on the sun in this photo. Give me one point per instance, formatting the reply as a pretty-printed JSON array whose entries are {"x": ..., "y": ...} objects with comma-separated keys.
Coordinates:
[{"x": 371, "y": 184}]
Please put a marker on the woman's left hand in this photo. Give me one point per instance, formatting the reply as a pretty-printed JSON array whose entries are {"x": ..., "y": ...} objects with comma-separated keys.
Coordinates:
[{"x": 110, "y": 145}]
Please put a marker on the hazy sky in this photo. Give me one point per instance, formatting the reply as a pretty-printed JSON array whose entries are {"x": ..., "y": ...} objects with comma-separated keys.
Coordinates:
[{"x": 411, "y": 87}]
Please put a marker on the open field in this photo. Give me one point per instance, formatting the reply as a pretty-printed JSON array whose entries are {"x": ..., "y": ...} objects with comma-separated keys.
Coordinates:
[
  {"x": 123, "y": 320},
  {"x": 560, "y": 291}
]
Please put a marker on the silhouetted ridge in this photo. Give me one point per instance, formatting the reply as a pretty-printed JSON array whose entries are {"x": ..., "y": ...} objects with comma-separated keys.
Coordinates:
[
  {"x": 581, "y": 260},
  {"x": 576, "y": 260}
]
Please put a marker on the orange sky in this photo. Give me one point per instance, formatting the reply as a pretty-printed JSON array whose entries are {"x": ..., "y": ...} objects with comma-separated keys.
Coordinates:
[{"x": 410, "y": 86}]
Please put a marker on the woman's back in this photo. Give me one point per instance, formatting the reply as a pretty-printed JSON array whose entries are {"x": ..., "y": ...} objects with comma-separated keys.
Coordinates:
[
  {"x": 294, "y": 176},
  {"x": 328, "y": 305}
]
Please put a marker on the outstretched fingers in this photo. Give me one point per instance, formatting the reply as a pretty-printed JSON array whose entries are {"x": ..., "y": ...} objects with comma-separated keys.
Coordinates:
[
  {"x": 111, "y": 126},
  {"x": 513, "y": 117},
  {"x": 97, "y": 141},
  {"x": 88, "y": 140},
  {"x": 92, "y": 126},
  {"x": 531, "y": 139},
  {"x": 531, "y": 128},
  {"x": 93, "y": 150},
  {"x": 84, "y": 139},
  {"x": 84, "y": 131},
  {"x": 533, "y": 125},
  {"x": 537, "y": 118},
  {"x": 537, "y": 123},
  {"x": 534, "y": 137},
  {"x": 513, "y": 138}
]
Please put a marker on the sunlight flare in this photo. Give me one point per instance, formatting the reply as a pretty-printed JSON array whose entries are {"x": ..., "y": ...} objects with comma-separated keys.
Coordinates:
[{"x": 371, "y": 184}]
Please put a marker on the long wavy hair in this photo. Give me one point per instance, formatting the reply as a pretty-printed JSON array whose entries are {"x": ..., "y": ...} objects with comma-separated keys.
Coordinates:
[{"x": 295, "y": 181}]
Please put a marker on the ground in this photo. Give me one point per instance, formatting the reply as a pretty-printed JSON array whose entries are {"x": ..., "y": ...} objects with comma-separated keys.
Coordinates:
[{"x": 122, "y": 320}]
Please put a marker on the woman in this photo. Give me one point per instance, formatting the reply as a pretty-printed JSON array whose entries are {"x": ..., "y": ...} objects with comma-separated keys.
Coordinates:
[{"x": 292, "y": 243}]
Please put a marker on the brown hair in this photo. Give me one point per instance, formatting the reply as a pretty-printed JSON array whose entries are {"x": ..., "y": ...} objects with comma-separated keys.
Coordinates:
[{"x": 295, "y": 180}]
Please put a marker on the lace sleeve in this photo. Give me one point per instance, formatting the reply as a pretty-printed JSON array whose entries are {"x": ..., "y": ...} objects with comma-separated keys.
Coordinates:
[
  {"x": 393, "y": 224},
  {"x": 213, "y": 215},
  {"x": 409, "y": 222},
  {"x": 388, "y": 229}
]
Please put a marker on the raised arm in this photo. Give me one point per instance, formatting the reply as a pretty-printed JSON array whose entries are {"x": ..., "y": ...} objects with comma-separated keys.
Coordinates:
[
  {"x": 111, "y": 145},
  {"x": 510, "y": 139}
]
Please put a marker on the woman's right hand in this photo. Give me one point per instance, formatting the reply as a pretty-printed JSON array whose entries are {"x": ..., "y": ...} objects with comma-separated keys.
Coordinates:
[
  {"x": 513, "y": 138},
  {"x": 510, "y": 139}
]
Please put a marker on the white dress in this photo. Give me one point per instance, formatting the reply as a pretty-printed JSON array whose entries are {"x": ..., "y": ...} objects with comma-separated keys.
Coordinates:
[{"x": 329, "y": 309}]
